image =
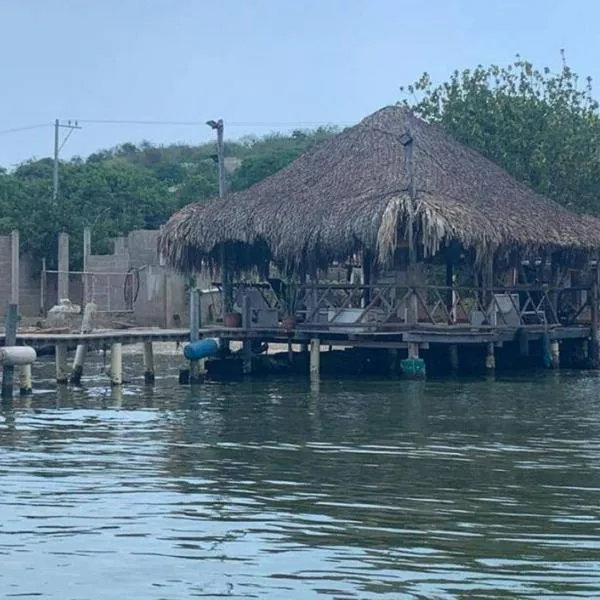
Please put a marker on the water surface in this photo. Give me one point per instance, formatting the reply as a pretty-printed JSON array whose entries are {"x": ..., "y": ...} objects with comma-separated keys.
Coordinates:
[{"x": 279, "y": 489}]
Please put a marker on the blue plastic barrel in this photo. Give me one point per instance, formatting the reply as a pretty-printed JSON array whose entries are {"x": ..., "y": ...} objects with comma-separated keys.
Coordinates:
[{"x": 201, "y": 349}]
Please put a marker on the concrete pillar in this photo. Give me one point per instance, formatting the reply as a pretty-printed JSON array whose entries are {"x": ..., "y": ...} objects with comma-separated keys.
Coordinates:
[
  {"x": 490, "y": 359},
  {"x": 14, "y": 268},
  {"x": 87, "y": 250},
  {"x": 63, "y": 267},
  {"x": 116, "y": 364},
  {"x": 148, "y": 363},
  {"x": 25, "y": 380},
  {"x": 62, "y": 376},
  {"x": 315, "y": 357}
]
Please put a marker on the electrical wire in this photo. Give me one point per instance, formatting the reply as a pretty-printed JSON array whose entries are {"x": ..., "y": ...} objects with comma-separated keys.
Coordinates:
[
  {"x": 25, "y": 128},
  {"x": 203, "y": 123}
]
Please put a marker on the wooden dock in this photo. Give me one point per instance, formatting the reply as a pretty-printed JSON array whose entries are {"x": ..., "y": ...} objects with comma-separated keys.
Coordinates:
[{"x": 399, "y": 337}]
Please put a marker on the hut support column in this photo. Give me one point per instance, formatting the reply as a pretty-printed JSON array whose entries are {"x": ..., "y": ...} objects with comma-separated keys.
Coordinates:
[
  {"x": 116, "y": 364},
  {"x": 315, "y": 358},
  {"x": 62, "y": 376},
  {"x": 148, "y": 363}
]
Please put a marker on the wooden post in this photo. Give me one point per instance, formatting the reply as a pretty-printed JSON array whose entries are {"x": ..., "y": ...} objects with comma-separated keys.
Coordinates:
[
  {"x": 63, "y": 267},
  {"x": 195, "y": 376},
  {"x": 116, "y": 364},
  {"x": 594, "y": 350},
  {"x": 450, "y": 290},
  {"x": 246, "y": 344},
  {"x": 62, "y": 376},
  {"x": 10, "y": 339},
  {"x": 148, "y": 364},
  {"x": 25, "y": 380},
  {"x": 315, "y": 357},
  {"x": 367, "y": 261},
  {"x": 168, "y": 296}
]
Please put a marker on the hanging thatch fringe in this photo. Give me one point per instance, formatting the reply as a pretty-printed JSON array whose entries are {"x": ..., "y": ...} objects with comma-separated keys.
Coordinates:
[{"x": 352, "y": 193}]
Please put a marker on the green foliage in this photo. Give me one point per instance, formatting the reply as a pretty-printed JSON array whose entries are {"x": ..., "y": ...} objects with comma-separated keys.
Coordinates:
[
  {"x": 542, "y": 127},
  {"x": 128, "y": 187}
]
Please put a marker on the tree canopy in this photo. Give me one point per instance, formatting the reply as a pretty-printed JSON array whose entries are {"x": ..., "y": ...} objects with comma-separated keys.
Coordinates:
[
  {"x": 130, "y": 187},
  {"x": 542, "y": 126}
]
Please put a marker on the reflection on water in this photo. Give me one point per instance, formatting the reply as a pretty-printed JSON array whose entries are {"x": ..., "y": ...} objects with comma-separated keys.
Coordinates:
[{"x": 280, "y": 489}]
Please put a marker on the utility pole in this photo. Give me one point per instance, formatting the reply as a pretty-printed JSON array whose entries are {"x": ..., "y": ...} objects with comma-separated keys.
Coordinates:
[
  {"x": 226, "y": 280},
  {"x": 218, "y": 126},
  {"x": 57, "y": 148}
]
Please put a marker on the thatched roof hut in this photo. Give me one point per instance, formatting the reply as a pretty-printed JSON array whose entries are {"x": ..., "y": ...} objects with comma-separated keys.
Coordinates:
[{"x": 373, "y": 187}]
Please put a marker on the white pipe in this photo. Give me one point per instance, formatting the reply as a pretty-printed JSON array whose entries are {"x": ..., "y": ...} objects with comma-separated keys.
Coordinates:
[{"x": 17, "y": 355}]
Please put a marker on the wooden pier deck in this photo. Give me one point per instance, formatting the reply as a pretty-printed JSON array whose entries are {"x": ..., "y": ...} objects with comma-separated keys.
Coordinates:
[{"x": 397, "y": 337}]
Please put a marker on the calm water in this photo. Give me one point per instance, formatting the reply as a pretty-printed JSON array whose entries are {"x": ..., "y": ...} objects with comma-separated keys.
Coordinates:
[{"x": 273, "y": 489}]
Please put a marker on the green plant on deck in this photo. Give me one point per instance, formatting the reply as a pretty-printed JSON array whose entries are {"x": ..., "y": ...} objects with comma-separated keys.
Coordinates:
[{"x": 290, "y": 296}]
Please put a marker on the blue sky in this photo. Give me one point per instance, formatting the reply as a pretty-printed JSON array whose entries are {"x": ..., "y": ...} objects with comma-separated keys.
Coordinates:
[{"x": 262, "y": 63}]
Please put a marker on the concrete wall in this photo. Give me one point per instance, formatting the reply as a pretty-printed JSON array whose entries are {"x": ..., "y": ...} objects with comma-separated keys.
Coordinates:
[{"x": 162, "y": 294}]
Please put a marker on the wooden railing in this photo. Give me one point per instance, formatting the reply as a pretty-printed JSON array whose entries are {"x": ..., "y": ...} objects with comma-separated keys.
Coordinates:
[{"x": 387, "y": 306}]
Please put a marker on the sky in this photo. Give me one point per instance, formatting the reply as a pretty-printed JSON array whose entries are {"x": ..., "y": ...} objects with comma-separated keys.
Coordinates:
[{"x": 260, "y": 65}]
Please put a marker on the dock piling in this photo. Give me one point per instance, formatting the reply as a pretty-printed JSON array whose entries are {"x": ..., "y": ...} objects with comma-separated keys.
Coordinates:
[
  {"x": 116, "y": 364},
  {"x": 453, "y": 356},
  {"x": 62, "y": 376},
  {"x": 555, "y": 354},
  {"x": 87, "y": 326},
  {"x": 195, "y": 374},
  {"x": 78, "y": 361},
  {"x": 247, "y": 342},
  {"x": 25, "y": 380},
  {"x": 315, "y": 357},
  {"x": 148, "y": 363},
  {"x": 490, "y": 359}
]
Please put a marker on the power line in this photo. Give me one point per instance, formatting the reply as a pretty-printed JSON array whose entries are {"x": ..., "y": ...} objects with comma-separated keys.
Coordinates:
[
  {"x": 202, "y": 123},
  {"x": 24, "y": 128}
]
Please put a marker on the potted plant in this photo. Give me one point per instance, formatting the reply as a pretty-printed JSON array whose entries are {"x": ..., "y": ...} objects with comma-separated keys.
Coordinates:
[{"x": 290, "y": 294}]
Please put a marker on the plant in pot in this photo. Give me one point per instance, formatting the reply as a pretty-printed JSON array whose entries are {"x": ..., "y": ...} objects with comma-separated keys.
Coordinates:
[{"x": 290, "y": 294}]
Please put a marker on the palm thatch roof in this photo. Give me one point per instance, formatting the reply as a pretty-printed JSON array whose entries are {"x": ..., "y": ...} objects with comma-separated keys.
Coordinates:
[{"x": 372, "y": 188}]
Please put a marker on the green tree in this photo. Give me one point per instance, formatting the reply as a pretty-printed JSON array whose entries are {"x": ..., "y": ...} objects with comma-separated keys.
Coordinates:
[{"x": 542, "y": 127}]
